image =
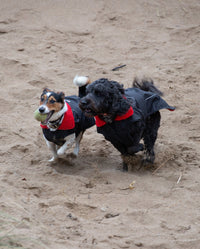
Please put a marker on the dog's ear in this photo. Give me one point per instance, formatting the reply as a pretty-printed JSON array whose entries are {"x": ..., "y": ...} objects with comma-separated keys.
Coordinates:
[
  {"x": 116, "y": 87},
  {"x": 45, "y": 90},
  {"x": 61, "y": 96},
  {"x": 119, "y": 104}
]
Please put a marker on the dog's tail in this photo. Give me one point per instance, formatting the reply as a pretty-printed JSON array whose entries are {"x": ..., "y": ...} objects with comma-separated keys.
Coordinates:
[
  {"x": 81, "y": 82},
  {"x": 147, "y": 85}
]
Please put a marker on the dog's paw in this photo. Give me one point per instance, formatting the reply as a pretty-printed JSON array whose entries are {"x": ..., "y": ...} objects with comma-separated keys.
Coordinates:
[
  {"x": 60, "y": 152},
  {"x": 53, "y": 159},
  {"x": 149, "y": 158}
]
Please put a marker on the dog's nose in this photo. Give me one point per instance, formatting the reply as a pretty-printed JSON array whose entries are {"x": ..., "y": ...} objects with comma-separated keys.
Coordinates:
[{"x": 41, "y": 109}]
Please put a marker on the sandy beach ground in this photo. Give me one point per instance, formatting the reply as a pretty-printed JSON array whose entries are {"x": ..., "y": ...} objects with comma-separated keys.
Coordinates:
[{"x": 86, "y": 202}]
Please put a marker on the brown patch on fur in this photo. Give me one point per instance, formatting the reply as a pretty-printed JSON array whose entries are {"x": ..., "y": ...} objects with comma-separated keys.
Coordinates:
[
  {"x": 53, "y": 105},
  {"x": 88, "y": 82},
  {"x": 43, "y": 99},
  {"x": 50, "y": 101},
  {"x": 51, "y": 98}
]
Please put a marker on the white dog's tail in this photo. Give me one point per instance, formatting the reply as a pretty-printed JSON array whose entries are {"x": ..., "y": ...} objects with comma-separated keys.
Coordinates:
[{"x": 81, "y": 82}]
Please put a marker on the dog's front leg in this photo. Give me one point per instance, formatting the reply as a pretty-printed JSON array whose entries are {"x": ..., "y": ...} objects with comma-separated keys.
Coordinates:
[
  {"x": 69, "y": 142},
  {"x": 52, "y": 148}
]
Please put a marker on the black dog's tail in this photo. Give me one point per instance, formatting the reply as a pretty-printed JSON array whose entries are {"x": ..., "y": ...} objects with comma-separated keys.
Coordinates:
[
  {"x": 147, "y": 85},
  {"x": 81, "y": 82}
]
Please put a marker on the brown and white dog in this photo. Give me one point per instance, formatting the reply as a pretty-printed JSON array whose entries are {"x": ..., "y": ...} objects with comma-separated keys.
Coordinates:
[{"x": 65, "y": 122}]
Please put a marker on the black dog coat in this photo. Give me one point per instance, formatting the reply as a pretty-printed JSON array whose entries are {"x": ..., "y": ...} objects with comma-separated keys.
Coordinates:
[
  {"x": 73, "y": 121},
  {"x": 126, "y": 131}
]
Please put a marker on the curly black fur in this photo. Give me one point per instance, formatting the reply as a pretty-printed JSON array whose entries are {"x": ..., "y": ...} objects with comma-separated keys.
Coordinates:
[
  {"x": 101, "y": 99},
  {"x": 108, "y": 100}
]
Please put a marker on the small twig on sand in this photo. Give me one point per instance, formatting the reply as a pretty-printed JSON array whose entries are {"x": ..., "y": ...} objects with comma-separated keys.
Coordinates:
[
  {"x": 162, "y": 164},
  {"x": 179, "y": 178},
  {"x": 116, "y": 68}
]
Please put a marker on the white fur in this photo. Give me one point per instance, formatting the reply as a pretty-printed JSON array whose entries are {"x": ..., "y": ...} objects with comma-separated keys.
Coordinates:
[
  {"x": 70, "y": 140},
  {"x": 81, "y": 80},
  {"x": 53, "y": 149},
  {"x": 46, "y": 109}
]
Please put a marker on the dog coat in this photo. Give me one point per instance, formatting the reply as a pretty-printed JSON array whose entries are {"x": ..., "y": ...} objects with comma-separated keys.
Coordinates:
[
  {"x": 124, "y": 131},
  {"x": 73, "y": 121}
]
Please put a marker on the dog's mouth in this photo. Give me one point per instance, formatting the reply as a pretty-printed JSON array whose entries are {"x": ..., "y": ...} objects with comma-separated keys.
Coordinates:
[
  {"x": 89, "y": 112},
  {"x": 49, "y": 115},
  {"x": 89, "y": 107}
]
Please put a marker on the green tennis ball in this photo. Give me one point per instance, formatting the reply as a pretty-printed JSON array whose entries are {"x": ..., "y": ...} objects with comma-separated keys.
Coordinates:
[{"x": 40, "y": 117}]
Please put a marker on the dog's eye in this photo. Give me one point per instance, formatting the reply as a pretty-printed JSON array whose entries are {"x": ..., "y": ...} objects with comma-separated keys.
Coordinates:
[
  {"x": 42, "y": 99},
  {"x": 52, "y": 101}
]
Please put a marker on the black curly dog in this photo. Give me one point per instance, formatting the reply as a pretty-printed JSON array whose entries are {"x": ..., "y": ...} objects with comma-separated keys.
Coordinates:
[{"x": 125, "y": 116}]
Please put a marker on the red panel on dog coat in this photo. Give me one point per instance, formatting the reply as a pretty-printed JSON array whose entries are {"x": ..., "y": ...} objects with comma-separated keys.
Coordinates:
[{"x": 100, "y": 122}]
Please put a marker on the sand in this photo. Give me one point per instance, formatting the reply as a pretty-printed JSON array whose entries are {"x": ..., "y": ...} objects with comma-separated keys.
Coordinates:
[{"x": 86, "y": 202}]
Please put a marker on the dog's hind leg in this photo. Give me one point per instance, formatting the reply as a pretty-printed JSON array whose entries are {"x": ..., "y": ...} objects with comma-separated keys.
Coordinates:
[
  {"x": 150, "y": 136},
  {"x": 77, "y": 146}
]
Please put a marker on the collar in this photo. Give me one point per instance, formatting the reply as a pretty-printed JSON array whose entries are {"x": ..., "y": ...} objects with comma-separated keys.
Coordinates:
[
  {"x": 129, "y": 113},
  {"x": 53, "y": 125},
  {"x": 65, "y": 122}
]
